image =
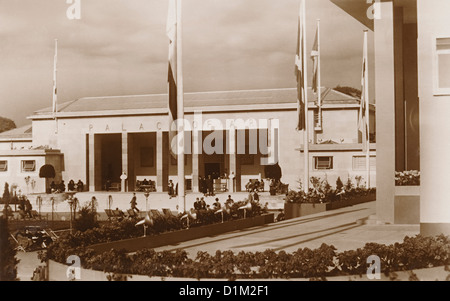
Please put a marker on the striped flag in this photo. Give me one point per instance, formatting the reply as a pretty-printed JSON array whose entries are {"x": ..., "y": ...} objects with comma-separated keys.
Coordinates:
[
  {"x": 171, "y": 31},
  {"x": 300, "y": 72},
  {"x": 315, "y": 58},
  {"x": 363, "y": 124}
]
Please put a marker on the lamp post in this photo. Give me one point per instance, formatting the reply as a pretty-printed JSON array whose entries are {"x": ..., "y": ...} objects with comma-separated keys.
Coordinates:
[
  {"x": 70, "y": 201},
  {"x": 146, "y": 194}
]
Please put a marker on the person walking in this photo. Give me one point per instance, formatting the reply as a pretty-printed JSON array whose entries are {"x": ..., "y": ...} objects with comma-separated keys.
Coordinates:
[{"x": 134, "y": 203}]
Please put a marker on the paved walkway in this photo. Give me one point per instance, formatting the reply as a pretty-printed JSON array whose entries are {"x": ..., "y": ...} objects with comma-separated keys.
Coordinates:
[{"x": 342, "y": 228}]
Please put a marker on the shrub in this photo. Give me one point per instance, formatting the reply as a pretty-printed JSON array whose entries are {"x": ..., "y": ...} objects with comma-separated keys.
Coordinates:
[
  {"x": 8, "y": 261},
  {"x": 413, "y": 253},
  {"x": 87, "y": 219},
  {"x": 322, "y": 192}
]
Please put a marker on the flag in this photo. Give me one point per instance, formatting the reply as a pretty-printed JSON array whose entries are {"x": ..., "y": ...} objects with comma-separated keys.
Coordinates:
[
  {"x": 299, "y": 74},
  {"x": 363, "y": 124},
  {"x": 55, "y": 95},
  {"x": 315, "y": 58},
  {"x": 171, "y": 31}
]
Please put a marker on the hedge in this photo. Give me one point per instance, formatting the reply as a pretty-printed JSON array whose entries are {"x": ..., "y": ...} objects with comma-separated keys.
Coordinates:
[{"x": 413, "y": 253}]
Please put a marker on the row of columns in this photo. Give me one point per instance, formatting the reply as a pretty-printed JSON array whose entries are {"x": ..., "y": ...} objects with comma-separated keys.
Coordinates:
[{"x": 93, "y": 147}]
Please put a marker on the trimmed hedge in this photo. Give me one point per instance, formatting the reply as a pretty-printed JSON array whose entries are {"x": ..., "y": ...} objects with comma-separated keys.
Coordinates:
[{"x": 413, "y": 253}]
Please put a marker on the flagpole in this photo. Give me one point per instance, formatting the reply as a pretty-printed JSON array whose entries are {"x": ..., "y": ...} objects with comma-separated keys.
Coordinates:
[
  {"x": 366, "y": 99},
  {"x": 305, "y": 91},
  {"x": 180, "y": 114},
  {"x": 55, "y": 93},
  {"x": 319, "y": 84}
]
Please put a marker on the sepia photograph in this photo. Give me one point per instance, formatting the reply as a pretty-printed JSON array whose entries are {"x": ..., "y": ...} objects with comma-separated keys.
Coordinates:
[{"x": 225, "y": 148}]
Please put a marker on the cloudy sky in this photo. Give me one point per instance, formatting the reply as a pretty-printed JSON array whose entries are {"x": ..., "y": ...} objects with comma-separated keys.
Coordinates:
[{"x": 119, "y": 47}]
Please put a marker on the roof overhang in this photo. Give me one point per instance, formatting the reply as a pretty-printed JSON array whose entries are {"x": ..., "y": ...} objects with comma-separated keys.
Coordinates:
[{"x": 358, "y": 9}]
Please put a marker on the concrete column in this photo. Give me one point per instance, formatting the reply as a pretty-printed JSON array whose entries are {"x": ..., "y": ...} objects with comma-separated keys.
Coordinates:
[
  {"x": 159, "y": 161},
  {"x": 434, "y": 122},
  {"x": 124, "y": 160},
  {"x": 232, "y": 160},
  {"x": 91, "y": 155},
  {"x": 385, "y": 117},
  {"x": 195, "y": 163}
]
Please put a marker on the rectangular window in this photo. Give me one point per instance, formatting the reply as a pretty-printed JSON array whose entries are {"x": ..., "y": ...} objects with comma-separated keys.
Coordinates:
[
  {"x": 442, "y": 66},
  {"x": 359, "y": 163},
  {"x": 323, "y": 163},
  {"x": 28, "y": 165},
  {"x": 3, "y": 165}
]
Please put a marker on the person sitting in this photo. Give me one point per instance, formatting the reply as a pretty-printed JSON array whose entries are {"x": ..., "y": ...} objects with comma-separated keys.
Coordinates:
[
  {"x": 202, "y": 204},
  {"x": 80, "y": 186},
  {"x": 197, "y": 204},
  {"x": 53, "y": 186},
  {"x": 138, "y": 185},
  {"x": 281, "y": 216},
  {"x": 229, "y": 201},
  {"x": 62, "y": 186},
  {"x": 71, "y": 185},
  {"x": 216, "y": 205},
  {"x": 145, "y": 182}
]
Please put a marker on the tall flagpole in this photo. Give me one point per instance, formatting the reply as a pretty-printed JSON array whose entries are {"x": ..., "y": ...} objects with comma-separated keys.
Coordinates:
[
  {"x": 366, "y": 99},
  {"x": 180, "y": 114},
  {"x": 319, "y": 84},
  {"x": 305, "y": 91},
  {"x": 55, "y": 91}
]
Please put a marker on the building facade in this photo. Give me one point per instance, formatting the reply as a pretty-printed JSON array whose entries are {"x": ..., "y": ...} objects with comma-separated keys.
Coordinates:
[
  {"x": 97, "y": 139},
  {"x": 412, "y": 78}
]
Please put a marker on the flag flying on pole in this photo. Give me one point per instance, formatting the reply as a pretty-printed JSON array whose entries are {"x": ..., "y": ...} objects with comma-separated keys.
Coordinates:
[
  {"x": 55, "y": 62},
  {"x": 363, "y": 124},
  {"x": 315, "y": 58},
  {"x": 171, "y": 31},
  {"x": 300, "y": 74}
]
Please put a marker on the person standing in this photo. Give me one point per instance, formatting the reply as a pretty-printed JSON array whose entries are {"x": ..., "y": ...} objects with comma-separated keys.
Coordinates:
[
  {"x": 231, "y": 182},
  {"x": 123, "y": 179},
  {"x": 170, "y": 186}
]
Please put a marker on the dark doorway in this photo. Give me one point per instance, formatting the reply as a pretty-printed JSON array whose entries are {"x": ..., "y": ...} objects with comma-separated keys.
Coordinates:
[{"x": 212, "y": 169}]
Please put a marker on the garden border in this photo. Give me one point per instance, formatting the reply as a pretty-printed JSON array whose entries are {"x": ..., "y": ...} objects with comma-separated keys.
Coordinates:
[{"x": 170, "y": 238}]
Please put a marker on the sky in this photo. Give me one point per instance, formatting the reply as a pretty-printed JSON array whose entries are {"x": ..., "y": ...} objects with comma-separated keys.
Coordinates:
[{"x": 120, "y": 47}]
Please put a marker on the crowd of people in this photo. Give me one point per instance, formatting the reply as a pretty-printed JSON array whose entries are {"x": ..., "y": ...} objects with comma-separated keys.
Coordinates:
[{"x": 71, "y": 186}]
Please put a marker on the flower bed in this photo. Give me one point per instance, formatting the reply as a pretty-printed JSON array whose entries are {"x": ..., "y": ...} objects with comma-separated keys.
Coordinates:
[
  {"x": 322, "y": 197},
  {"x": 407, "y": 178},
  {"x": 413, "y": 253}
]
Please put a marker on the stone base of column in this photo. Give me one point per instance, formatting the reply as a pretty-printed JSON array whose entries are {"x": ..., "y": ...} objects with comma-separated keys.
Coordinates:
[{"x": 434, "y": 229}]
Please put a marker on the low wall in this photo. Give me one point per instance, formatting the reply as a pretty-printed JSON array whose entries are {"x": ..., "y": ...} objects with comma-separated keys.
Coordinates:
[
  {"x": 407, "y": 205},
  {"x": 155, "y": 241},
  {"x": 294, "y": 210}
]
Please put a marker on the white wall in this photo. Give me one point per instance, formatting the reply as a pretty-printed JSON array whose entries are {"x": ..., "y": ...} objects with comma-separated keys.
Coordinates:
[{"x": 433, "y": 21}]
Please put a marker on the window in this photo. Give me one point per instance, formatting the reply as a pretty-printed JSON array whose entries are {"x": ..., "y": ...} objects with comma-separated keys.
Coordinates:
[
  {"x": 442, "y": 66},
  {"x": 28, "y": 165},
  {"x": 3, "y": 165},
  {"x": 359, "y": 162},
  {"x": 323, "y": 163}
]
